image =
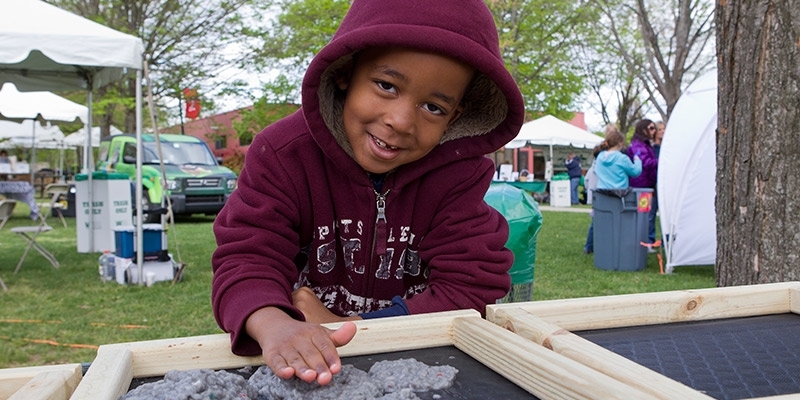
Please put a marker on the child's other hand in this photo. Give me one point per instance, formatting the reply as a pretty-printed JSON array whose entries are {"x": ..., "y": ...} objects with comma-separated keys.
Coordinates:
[
  {"x": 307, "y": 301},
  {"x": 295, "y": 348}
]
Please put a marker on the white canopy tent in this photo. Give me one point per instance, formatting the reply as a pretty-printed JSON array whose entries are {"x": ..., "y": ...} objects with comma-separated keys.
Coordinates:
[
  {"x": 19, "y": 134},
  {"x": 687, "y": 177},
  {"x": 47, "y": 48},
  {"x": 551, "y": 131},
  {"x": 40, "y": 106},
  {"x": 43, "y": 47}
]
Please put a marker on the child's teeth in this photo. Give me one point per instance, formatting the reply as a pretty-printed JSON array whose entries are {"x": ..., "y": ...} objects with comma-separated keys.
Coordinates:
[{"x": 383, "y": 144}]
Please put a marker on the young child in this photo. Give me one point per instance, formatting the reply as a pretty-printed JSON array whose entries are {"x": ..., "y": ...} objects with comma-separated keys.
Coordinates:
[
  {"x": 368, "y": 201},
  {"x": 614, "y": 168}
]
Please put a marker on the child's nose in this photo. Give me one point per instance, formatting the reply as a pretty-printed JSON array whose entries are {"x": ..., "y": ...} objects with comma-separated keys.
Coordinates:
[{"x": 402, "y": 117}]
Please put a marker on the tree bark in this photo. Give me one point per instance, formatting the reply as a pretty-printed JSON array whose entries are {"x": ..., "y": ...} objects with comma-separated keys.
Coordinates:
[{"x": 758, "y": 141}]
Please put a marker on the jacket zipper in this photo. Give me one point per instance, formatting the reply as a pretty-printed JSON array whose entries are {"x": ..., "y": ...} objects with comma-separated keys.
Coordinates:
[
  {"x": 378, "y": 240},
  {"x": 379, "y": 235}
]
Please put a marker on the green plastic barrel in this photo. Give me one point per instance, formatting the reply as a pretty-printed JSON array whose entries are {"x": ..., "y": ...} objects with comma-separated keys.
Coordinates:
[{"x": 524, "y": 221}]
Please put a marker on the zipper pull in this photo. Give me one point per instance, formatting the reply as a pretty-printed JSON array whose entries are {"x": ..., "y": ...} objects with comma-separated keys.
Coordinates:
[{"x": 380, "y": 223}]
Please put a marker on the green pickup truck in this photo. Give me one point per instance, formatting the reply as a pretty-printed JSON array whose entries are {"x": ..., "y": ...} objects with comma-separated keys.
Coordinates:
[{"x": 196, "y": 183}]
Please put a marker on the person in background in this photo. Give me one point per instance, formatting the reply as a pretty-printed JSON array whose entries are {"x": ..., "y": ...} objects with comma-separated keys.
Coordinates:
[
  {"x": 368, "y": 202},
  {"x": 4, "y": 160},
  {"x": 573, "y": 164},
  {"x": 642, "y": 146},
  {"x": 615, "y": 171},
  {"x": 659, "y": 136}
]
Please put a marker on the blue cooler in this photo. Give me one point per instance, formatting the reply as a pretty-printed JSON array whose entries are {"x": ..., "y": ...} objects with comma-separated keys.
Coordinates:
[
  {"x": 123, "y": 241},
  {"x": 152, "y": 238}
]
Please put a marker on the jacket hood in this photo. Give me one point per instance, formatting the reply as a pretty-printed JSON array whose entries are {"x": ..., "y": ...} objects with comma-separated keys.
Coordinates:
[
  {"x": 606, "y": 157},
  {"x": 462, "y": 29}
]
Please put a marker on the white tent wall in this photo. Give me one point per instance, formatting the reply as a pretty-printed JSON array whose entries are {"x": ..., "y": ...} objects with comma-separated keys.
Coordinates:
[{"x": 687, "y": 177}]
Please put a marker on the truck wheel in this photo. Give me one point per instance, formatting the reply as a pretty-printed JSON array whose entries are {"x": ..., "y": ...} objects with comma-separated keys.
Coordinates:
[{"x": 147, "y": 216}]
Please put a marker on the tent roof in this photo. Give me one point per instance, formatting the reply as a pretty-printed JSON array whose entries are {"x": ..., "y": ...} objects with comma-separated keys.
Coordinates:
[
  {"x": 42, "y": 106},
  {"x": 47, "y": 48},
  {"x": 549, "y": 130}
]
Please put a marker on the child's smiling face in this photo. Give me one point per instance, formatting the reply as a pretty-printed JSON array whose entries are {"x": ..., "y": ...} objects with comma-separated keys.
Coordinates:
[{"x": 399, "y": 104}]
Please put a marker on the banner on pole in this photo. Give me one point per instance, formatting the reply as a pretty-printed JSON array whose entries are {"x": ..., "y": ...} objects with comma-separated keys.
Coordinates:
[{"x": 192, "y": 103}]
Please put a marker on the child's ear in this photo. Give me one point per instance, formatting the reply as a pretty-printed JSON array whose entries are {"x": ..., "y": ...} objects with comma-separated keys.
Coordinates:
[
  {"x": 342, "y": 81},
  {"x": 342, "y": 75},
  {"x": 456, "y": 115}
]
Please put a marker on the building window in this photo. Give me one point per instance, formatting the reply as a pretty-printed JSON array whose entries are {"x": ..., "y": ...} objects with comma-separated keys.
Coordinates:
[{"x": 220, "y": 143}]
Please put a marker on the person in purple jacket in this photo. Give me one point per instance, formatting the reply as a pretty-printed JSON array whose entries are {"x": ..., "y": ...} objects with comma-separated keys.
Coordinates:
[
  {"x": 641, "y": 145},
  {"x": 368, "y": 202}
]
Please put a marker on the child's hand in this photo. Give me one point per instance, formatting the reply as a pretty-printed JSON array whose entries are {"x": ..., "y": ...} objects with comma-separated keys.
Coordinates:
[
  {"x": 307, "y": 301},
  {"x": 295, "y": 348}
]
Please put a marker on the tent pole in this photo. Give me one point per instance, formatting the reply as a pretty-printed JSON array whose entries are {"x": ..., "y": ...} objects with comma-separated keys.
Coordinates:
[
  {"x": 87, "y": 166},
  {"x": 139, "y": 193},
  {"x": 61, "y": 162},
  {"x": 33, "y": 152}
]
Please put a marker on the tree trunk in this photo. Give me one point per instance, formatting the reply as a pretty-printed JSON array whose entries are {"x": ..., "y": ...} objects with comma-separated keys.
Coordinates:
[{"x": 758, "y": 141}]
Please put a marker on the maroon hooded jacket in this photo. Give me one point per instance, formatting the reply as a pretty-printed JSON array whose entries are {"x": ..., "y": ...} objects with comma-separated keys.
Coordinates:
[{"x": 306, "y": 214}]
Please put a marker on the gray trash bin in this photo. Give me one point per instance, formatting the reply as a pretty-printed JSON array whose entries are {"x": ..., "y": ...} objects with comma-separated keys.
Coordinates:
[{"x": 620, "y": 226}]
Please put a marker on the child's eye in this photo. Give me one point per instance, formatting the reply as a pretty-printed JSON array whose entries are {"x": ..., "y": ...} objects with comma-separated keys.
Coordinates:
[
  {"x": 386, "y": 86},
  {"x": 433, "y": 108}
]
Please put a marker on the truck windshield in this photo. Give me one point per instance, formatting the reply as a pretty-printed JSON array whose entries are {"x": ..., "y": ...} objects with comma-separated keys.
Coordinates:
[{"x": 178, "y": 153}]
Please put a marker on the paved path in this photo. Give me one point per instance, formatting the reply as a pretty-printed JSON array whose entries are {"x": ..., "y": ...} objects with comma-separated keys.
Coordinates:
[{"x": 565, "y": 209}]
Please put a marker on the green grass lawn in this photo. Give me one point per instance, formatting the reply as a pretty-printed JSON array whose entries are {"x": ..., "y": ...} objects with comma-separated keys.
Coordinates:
[
  {"x": 562, "y": 270},
  {"x": 52, "y": 316}
]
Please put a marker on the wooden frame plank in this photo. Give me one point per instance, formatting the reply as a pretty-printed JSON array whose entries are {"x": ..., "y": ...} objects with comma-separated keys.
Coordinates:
[
  {"x": 50, "y": 385},
  {"x": 109, "y": 376},
  {"x": 538, "y": 370},
  {"x": 116, "y": 365},
  {"x": 563, "y": 342},
  {"x": 659, "y": 307},
  {"x": 549, "y": 323},
  {"x": 57, "y": 381}
]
